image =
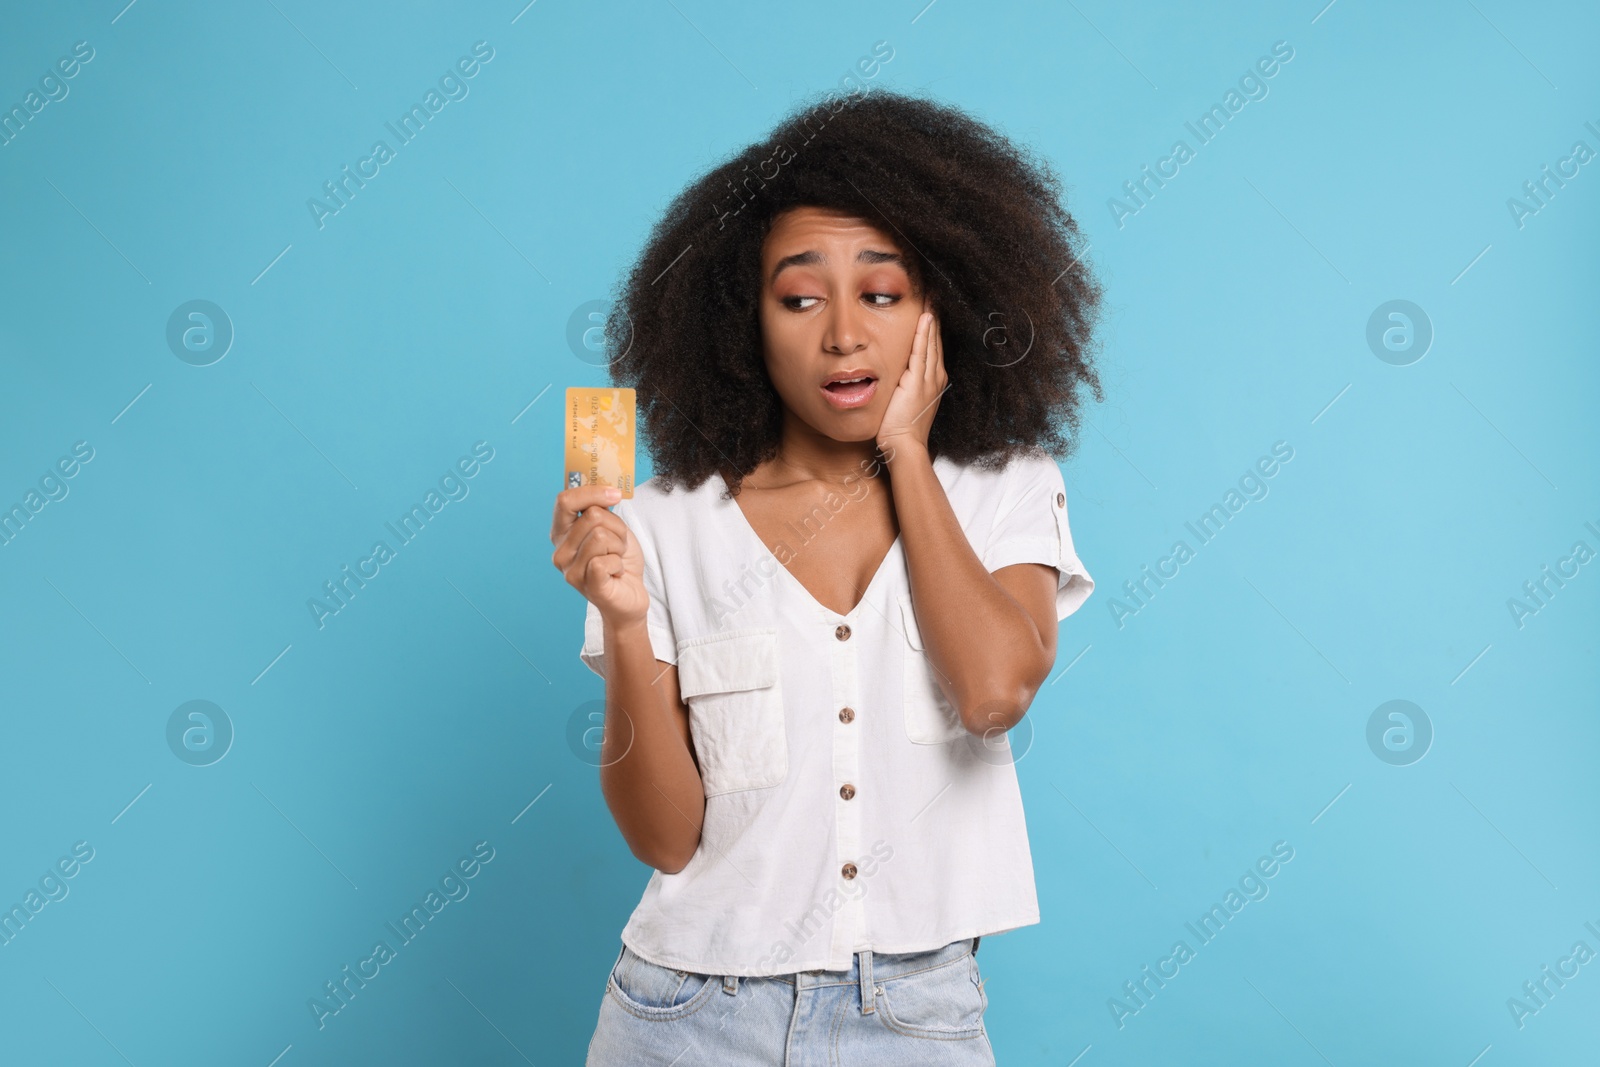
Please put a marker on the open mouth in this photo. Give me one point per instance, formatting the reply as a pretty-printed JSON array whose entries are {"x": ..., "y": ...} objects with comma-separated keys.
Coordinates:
[{"x": 852, "y": 391}]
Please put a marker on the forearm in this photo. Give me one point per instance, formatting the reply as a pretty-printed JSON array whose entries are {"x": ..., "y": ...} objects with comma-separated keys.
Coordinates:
[
  {"x": 986, "y": 651},
  {"x": 647, "y": 772}
]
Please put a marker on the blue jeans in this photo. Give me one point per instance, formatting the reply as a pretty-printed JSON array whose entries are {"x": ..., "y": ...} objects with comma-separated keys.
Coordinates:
[{"x": 922, "y": 1009}]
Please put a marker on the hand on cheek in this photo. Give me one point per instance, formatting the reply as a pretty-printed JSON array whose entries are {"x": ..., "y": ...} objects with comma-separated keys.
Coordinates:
[{"x": 915, "y": 400}]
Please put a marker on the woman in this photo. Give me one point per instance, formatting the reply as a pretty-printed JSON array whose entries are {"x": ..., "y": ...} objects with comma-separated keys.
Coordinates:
[{"x": 820, "y": 618}]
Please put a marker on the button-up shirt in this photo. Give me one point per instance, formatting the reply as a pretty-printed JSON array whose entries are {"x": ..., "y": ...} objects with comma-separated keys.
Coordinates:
[{"x": 847, "y": 807}]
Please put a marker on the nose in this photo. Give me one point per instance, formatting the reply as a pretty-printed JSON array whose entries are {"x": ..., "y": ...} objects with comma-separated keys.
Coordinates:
[{"x": 844, "y": 331}]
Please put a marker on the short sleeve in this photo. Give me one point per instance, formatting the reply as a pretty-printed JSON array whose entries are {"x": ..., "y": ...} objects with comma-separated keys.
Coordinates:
[
  {"x": 659, "y": 620},
  {"x": 1031, "y": 527}
]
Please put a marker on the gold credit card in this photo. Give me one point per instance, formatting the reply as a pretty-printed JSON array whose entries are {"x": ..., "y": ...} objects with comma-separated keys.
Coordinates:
[{"x": 600, "y": 438}]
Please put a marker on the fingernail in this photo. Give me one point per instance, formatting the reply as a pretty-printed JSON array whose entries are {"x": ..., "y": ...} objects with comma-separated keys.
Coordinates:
[{"x": 613, "y": 493}]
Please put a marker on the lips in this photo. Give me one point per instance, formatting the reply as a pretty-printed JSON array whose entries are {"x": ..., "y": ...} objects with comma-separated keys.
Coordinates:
[{"x": 850, "y": 389}]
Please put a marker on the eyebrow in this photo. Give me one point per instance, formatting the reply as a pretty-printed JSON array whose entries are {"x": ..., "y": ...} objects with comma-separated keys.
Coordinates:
[{"x": 806, "y": 259}]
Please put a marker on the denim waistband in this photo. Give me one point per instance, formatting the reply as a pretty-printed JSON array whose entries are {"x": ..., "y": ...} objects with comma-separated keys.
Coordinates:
[
  {"x": 866, "y": 966},
  {"x": 869, "y": 965}
]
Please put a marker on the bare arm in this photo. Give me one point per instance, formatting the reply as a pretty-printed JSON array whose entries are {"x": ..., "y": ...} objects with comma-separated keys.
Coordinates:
[
  {"x": 991, "y": 638},
  {"x": 648, "y": 773}
]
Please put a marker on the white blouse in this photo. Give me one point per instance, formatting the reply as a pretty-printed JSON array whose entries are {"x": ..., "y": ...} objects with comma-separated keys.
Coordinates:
[{"x": 846, "y": 805}]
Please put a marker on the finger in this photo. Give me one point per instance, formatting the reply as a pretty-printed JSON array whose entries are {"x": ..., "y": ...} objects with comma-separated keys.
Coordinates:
[
  {"x": 564, "y": 520},
  {"x": 925, "y": 371},
  {"x": 594, "y": 518},
  {"x": 581, "y": 540},
  {"x": 603, "y": 569},
  {"x": 595, "y": 543},
  {"x": 919, "y": 343},
  {"x": 567, "y": 537},
  {"x": 570, "y": 503}
]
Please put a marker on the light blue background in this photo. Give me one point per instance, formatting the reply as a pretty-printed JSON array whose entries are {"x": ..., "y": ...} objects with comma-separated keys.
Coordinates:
[{"x": 430, "y": 712}]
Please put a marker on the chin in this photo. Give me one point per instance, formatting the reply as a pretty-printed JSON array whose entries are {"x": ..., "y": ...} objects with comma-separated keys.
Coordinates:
[{"x": 850, "y": 427}]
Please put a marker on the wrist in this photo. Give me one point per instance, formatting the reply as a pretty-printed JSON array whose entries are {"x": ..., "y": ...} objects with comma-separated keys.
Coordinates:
[
  {"x": 900, "y": 448},
  {"x": 625, "y": 628}
]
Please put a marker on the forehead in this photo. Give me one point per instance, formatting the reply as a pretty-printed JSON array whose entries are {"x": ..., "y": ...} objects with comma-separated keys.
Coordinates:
[{"x": 805, "y": 229}]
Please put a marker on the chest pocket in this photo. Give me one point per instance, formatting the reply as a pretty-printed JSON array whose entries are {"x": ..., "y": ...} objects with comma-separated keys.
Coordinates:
[
  {"x": 930, "y": 718},
  {"x": 730, "y": 683}
]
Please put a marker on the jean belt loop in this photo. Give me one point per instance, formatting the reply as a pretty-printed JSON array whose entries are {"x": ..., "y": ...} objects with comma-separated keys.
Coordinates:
[
  {"x": 868, "y": 1003},
  {"x": 730, "y": 984}
]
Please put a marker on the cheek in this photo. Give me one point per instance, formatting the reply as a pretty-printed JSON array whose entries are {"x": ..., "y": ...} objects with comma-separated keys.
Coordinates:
[
  {"x": 782, "y": 373},
  {"x": 783, "y": 351},
  {"x": 897, "y": 357},
  {"x": 899, "y": 360},
  {"x": 897, "y": 344}
]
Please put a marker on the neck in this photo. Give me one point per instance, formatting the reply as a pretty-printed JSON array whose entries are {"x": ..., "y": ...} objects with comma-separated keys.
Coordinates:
[{"x": 803, "y": 453}]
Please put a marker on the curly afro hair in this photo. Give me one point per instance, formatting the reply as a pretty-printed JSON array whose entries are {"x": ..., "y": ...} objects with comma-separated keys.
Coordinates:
[{"x": 985, "y": 233}]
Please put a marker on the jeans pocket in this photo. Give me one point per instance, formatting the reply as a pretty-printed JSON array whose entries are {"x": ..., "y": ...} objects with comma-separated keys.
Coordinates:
[
  {"x": 944, "y": 1003},
  {"x": 977, "y": 980},
  {"x": 651, "y": 991}
]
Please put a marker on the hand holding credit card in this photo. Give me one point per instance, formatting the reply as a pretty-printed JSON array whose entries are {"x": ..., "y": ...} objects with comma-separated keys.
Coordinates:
[{"x": 600, "y": 438}]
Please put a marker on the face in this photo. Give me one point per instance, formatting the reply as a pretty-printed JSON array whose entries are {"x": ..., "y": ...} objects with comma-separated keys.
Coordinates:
[{"x": 837, "y": 302}]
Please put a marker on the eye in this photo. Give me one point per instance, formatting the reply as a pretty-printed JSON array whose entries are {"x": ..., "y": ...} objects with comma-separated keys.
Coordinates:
[
  {"x": 889, "y": 298},
  {"x": 789, "y": 302}
]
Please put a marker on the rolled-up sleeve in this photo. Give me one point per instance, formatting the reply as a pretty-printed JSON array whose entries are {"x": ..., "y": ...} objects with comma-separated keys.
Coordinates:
[
  {"x": 659, "y": 620},
  {"x": 1031, "y": 527}
]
